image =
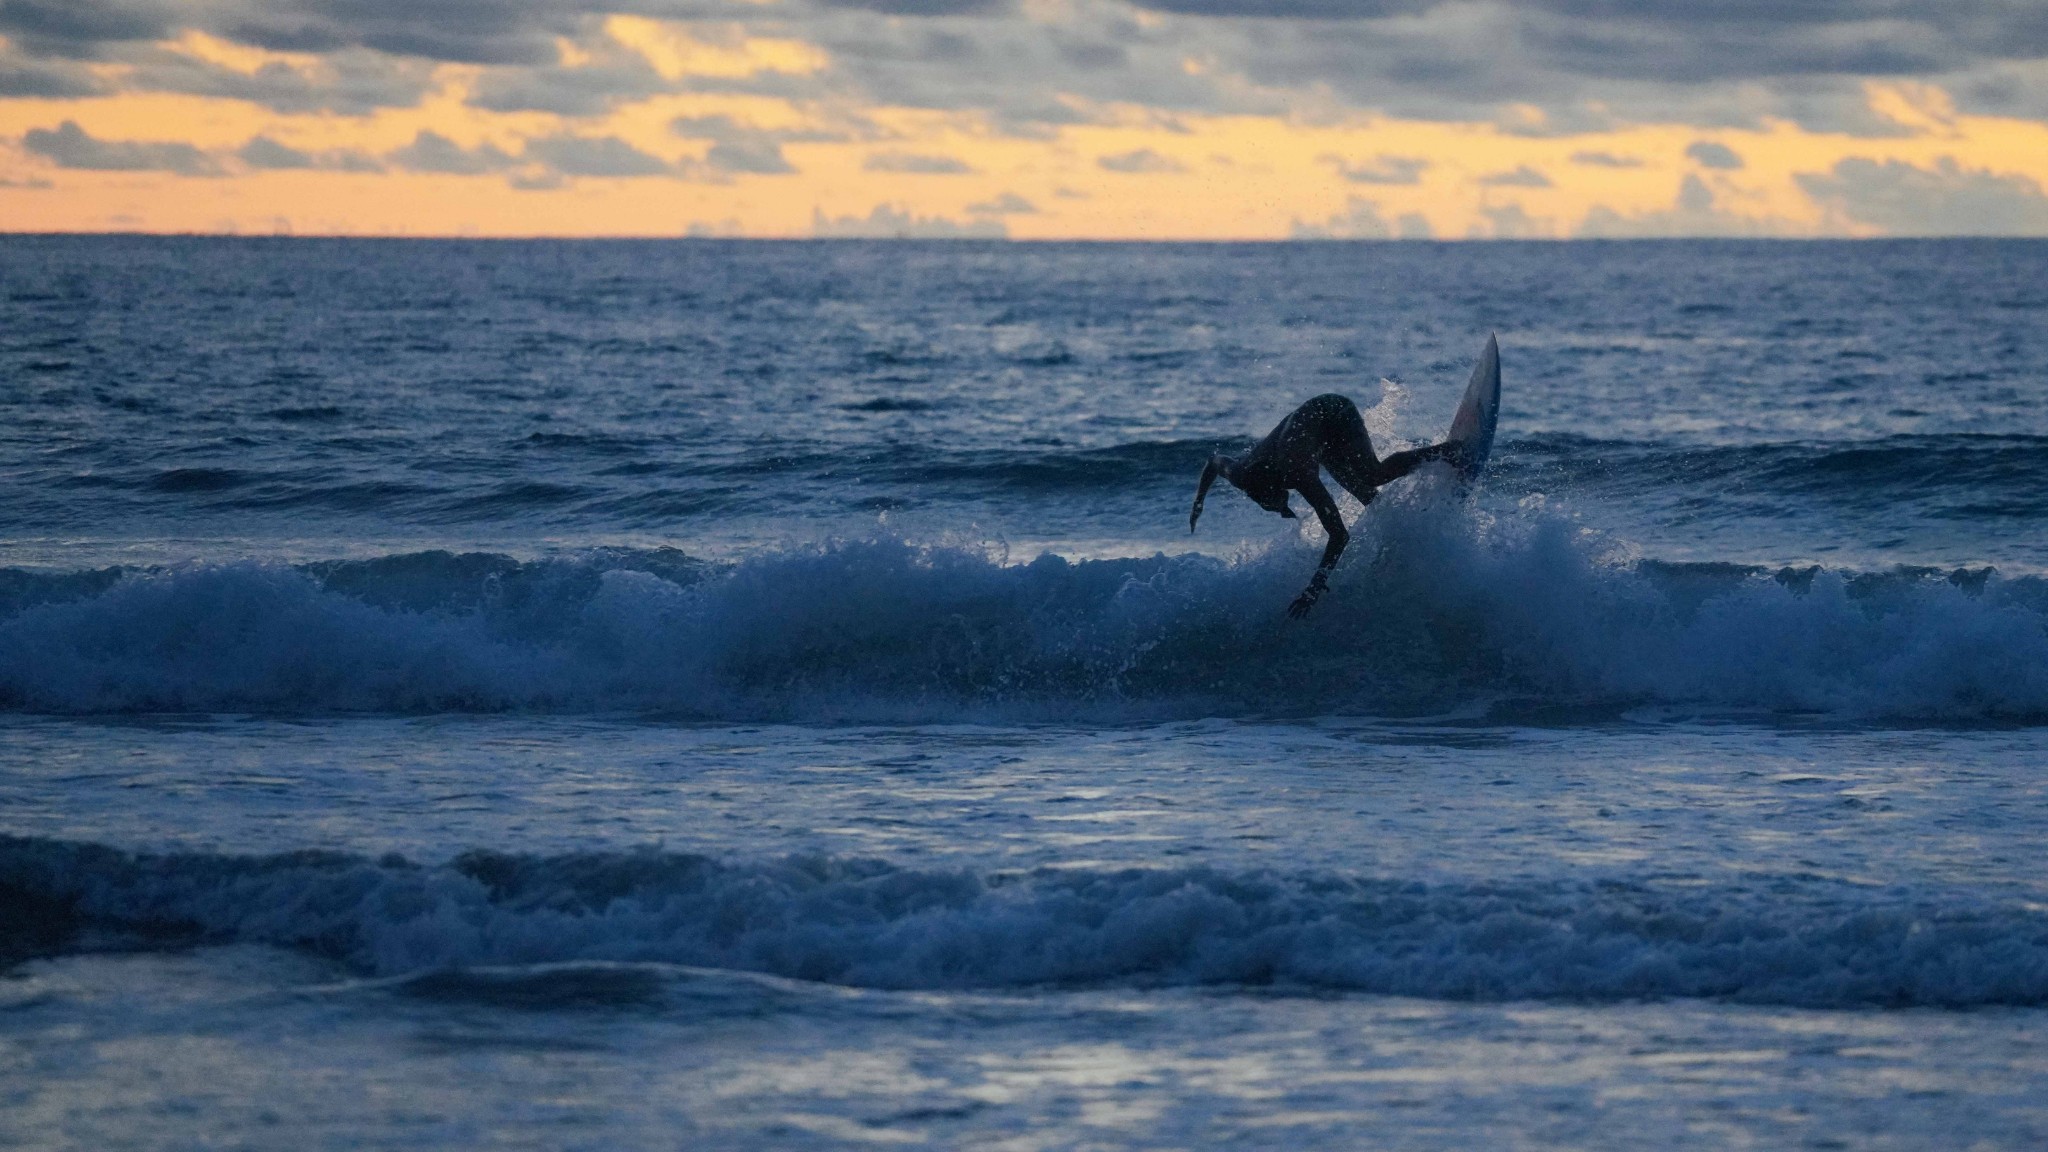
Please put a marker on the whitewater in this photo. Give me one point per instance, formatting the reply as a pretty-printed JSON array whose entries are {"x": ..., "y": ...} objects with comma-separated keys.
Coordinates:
[{"x": 765, "y": 695}]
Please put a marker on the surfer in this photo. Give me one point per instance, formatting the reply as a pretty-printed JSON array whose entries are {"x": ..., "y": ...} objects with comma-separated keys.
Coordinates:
[{"x": 1328, "y": 433}]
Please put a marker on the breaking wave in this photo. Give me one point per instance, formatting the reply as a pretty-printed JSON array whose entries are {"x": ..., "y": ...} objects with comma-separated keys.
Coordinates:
[
  {"x": 870, "y": 924},
  {"x": 1434, "y": 608}
]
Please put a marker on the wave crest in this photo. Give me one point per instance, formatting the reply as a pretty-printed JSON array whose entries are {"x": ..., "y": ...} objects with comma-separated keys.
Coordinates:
[
  {"x": 1436, "y": 608},
  {"x": 867, "y": 923}
]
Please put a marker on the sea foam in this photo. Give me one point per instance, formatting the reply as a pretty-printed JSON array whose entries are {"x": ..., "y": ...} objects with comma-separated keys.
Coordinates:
[
  {"x": 1434, "y": 608},
  {"x": 867, "y": 923}
]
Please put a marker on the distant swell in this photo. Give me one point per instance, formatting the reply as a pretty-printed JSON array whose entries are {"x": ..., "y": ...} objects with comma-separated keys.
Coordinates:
[
  {"x": 1953, "y": 476},
  {"x": 1434, "y": 608},
  {"x": 868, "y": 923}
]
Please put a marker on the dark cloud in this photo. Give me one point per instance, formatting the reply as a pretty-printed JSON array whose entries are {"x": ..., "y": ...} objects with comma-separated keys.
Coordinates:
[
  {"x": 1586, "y": 66},
  {"x": 1030, "y": 79},
  {"x": 916, "y": 164},
  {"x": 1520, "y": 177},
  {"x": 743, "y": 149},
  {"x": 1583, "y": 64},
  {"x": 458, "y": 31},
  {"x": 755, "y": 157},
  {"x": 772, "y": 83},
  {"x": 600, "y": 156},
  {"x": 1007, "y": 204},
  {"x": 82, "y": 29},
  {"x": 1292, "y": 9},
  {"x": 1606, "y": 160},
  {"x": 725, "y": 128},
  {"x": 1945, "y": 200},
  {"x": 265, "y": 153},
  {"x": 351, "y": 82},
  {"x": 1144, "y": 160},
  {"x": 921, "y": 7},
  {"x": 587, "y": 90},
  {"x": 69, "y": 146},
  {"x": 41, "y": 81},
  {"x": 432, "y": 152},
  {"x": 1383, "y": 169},
  {"x": 1712, "y": 155}
]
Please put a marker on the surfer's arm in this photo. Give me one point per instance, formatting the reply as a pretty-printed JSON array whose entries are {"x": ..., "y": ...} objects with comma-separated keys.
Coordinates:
[
  {"x": 1318, "y": 497},
  {"x": 1210, "y": 472}
]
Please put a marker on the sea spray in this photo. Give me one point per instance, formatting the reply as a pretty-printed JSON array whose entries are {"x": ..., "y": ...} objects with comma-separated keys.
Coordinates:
[{"x": 1436, "y": 606}]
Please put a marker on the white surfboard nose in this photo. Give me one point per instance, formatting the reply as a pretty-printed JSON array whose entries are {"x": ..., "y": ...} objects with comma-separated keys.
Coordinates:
[{"x": 1479, "y": 412}]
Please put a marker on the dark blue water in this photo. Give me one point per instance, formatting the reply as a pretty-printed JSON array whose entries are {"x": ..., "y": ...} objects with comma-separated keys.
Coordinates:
[{"x": 766, "y": 694}]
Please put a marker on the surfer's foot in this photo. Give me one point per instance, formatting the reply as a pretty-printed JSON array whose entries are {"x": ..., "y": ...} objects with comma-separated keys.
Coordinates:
[{"x": 1307, "y": 600}]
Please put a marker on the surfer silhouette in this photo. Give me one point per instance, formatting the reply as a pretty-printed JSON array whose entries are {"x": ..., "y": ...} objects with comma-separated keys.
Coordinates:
[
  {"x": 1324, "y": 433},
  {"x": 1327, "y": 434}
]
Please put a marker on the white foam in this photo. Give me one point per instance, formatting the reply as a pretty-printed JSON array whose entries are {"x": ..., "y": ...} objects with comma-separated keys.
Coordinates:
[
  {"x": 1432, "y": 608},
  {"x": 864, "y": 923}
]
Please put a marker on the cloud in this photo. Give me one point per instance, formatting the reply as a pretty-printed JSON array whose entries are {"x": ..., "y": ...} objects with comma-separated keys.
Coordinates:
[
  {"x": 1511, "y": 222},
  {"x": 1292, "y": 9},
  {"x": 743, "y": 149},
  {"x": 888, "y": 222},
  {"x": 1712, "y": 155},
  {"x": 352, "y": 82},
  {"x": 1361, "y": 220},
  {"x": 33, "y": 183},
  {"x": 1007, "y": 204},
  {"x": 69, "y": 146},
  {"x": 921, "y": 7},
  {"x": 1382, "y": 169},
  {"x": 1144, "y": 160},
  {"x": 264, "y": 154},
  {"x": 751, "y": 157},
  {"x": 1606, "y": 160},
  {"x": 590, "y": 89},
  {"x": 1542, "y": 67},
  {"x": 915, "y": 164},
  {"x": 432, "y": 152},
  {"x": 1945, "y": 200},
  {"x": 1694, "y": 212},
  {"x": 44, "y": 81},
  {"x": 82, "y": 29},
  {"x": 1521, "y": 177},
  {"x": 598, "y": 156},
  {"x": 454, "y": 31}
]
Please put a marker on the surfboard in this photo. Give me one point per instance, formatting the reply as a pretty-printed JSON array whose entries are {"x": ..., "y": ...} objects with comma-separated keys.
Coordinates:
[{"x": 1478, "y": 413}]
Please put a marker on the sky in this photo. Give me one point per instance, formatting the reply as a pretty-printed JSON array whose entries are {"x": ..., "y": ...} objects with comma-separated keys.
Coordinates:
[{"x": 1029, "y": 119}]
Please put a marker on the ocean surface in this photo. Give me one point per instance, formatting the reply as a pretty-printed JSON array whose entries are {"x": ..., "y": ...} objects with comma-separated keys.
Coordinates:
[{"x": 765, "y": 695}]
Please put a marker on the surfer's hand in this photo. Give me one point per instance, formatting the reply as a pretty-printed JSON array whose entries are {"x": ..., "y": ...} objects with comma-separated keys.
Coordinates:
[{"x": 1309, "y": 595}]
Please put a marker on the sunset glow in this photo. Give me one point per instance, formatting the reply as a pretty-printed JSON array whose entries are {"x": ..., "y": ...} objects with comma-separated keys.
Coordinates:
[{"x": 782, "y": 120}]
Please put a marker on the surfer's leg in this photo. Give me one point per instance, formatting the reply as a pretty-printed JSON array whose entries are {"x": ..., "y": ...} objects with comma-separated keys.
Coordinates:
[
  {"x": 1346, "y": 449},
  {"x": 1400, "y": 464}
]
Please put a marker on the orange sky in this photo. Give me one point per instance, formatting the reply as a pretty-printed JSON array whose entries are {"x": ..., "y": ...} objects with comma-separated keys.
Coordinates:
[{"x": 1122, "y": 170}]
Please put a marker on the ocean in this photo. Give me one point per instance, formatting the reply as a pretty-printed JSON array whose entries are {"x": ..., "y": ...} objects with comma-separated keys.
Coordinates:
[{"x": 745, "y": 694}]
